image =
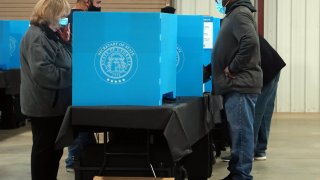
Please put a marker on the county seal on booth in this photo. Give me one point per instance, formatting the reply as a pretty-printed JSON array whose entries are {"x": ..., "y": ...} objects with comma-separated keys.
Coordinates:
[
  {"x": 12, "y": 45},
  {"x": 179, "y": 58},
  {"x": 116, "y": 62}
]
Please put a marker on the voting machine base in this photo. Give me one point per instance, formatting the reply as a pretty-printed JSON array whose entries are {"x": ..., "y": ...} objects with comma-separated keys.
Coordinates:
[
  {"x": 133, "y": 157},
  {"x": 143, "y": 154},
  {"x": 10, "y": 111}
]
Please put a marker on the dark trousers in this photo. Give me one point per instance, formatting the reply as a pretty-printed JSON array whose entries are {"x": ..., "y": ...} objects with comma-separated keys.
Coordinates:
[{"x": 44, "y": 157}]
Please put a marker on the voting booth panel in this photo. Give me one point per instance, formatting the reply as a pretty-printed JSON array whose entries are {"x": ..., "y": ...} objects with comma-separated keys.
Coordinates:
[
  {"x": 11, "y": 33},
  {"x": 4, "y": 43},
  {"x": 168, "y": 54},
  {"x": 123, "y": 58},
  {"x": 211, "y": 30},
  {"x": 18, "y": 28},
  {"x": 189, "y": 55}
]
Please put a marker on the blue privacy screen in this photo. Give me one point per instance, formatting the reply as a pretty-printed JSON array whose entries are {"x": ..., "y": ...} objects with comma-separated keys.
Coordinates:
[{"x": 123, "y": 58}]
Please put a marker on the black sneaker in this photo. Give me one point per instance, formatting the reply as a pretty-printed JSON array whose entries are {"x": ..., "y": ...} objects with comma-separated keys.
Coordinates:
[
  {"x": 226, "y": 158},
  {"x": 70, "y": 169},
  {"x": 260, "y": 158}
]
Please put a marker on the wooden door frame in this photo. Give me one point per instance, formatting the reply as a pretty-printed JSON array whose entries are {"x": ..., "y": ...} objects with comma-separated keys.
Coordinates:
[{"x": 261, "y": 17}]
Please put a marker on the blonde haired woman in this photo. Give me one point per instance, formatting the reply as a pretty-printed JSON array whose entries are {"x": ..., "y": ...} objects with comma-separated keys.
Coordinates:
[{"x": 46, "y": 82}]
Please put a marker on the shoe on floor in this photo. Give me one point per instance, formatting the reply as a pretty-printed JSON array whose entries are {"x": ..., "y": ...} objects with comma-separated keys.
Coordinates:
[
  {"x": 260, "y": 158},
  {"x": 70, "y": 169},
  {"x": 226, "y": 158}
]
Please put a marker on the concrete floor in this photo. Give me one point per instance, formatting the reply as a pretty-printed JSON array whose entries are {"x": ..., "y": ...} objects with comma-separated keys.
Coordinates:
[{"x": 294, "y": 152}]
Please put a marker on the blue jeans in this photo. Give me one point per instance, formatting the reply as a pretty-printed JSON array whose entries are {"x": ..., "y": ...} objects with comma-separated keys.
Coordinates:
[
  {"x": 83, "y": 139},
  {"x": 263, "y": 116},
  {"x": 240, "y": 116}
]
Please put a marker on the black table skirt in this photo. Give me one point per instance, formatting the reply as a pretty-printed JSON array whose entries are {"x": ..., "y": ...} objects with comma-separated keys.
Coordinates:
[
  {"x": 183, "y": 122},
  {"x": 10, "y": 81}
]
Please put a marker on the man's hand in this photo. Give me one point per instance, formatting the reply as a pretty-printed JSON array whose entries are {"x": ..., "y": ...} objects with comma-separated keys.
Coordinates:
[{"x": 228, "y": 74}]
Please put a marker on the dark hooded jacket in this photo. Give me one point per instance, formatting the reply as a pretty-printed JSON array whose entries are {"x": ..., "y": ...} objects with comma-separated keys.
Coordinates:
[
  {"x": 237, "y": 47},
  {"x": 271, "y": 62}
]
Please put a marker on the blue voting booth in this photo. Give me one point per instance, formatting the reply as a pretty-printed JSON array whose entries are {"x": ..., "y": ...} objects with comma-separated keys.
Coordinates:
[
  {"x": 190, "y": 55},
  {"x": 18, "y": 28},
  {"x": 11, "y": 33},
  {"x": 123, "y": 58},
  {"x": 4, "y": 44},
  {"x": 211, "y": 30}
]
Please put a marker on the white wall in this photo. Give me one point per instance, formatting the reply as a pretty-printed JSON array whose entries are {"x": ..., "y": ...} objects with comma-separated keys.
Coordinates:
[
  {"x": 200, "y": 7},
  {"x": 291, "y": 27}
]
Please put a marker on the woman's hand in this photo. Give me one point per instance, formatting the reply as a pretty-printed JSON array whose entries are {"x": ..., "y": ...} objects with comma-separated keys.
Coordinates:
[{"x": 64, "y": 33}]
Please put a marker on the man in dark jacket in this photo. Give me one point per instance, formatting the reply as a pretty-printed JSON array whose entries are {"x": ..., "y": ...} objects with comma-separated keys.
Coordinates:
[
  {"x": 271, "y": 63},
  {"x": 237, "y": 75}
]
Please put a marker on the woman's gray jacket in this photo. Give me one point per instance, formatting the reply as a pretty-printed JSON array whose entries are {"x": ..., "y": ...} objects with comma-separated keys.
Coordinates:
[{"x": 45, "y": 73}]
